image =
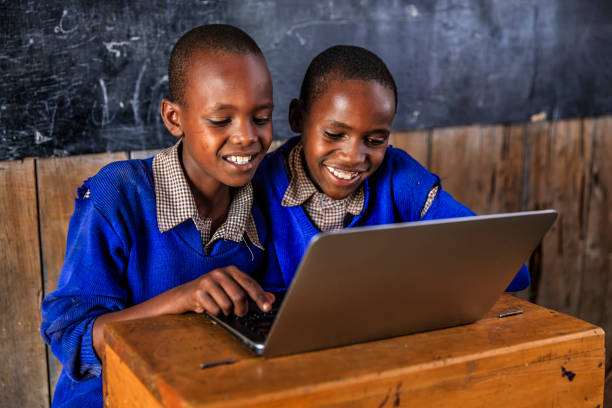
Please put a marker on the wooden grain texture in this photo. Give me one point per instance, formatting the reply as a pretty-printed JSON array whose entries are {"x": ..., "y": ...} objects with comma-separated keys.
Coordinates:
[
  {"x": 536, "y": 186},
  {"x": 416, "y": 143},
  {"x": 509, "y": 171},
  {"x": 558, "y": 181},
  {"x": 451, "y": 149},
  {"x": 58, "y": 180},
  {"x": 516, "y": 361},
  {"x": 595, "y": 297},
  {"x": 133, "y": 392},
  {"x": 481, "y": 166},
  {"x": 23, "y": 371},
  {"x": 143, "y": 154}
]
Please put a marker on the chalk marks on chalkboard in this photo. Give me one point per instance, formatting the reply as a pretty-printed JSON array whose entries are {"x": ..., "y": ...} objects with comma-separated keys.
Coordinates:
[
  {"x": 46, "y": 113},
  {"x": 119, "y": 48},
  {"x": 40, "y": 139},
  {"x": 103, "y": 116},
  {"x": 158, "y": 91},
  {"x": 135, "y": 102},
  {"x": 60, "y": 29},
  {"x": 414, "y": 11},
  {"x": 141, "y": 105},
  {"x": 111, "y": 47}
]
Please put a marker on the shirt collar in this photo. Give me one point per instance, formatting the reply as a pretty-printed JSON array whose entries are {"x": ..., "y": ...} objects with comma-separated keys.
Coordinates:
[
  {"x": 301, "y": 188},
  {"x": 175, "y": 203}
]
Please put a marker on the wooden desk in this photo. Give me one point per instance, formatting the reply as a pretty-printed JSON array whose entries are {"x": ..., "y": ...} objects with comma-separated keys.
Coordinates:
[{"x": 540, "y": 358}]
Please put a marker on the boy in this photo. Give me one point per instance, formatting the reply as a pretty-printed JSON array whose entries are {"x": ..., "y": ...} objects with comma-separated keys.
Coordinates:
[
  {"x": 176, "y": 232},
  {"x": 341, "y": 173}
]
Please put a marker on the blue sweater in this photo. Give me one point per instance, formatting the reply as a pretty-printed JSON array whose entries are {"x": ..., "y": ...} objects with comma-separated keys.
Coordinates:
[
  {"x": 396, "y": 192},
  {"x": 115, "y": 258}
]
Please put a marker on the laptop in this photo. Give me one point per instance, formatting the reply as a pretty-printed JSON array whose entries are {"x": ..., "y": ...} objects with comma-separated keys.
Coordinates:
[{"x": 367, "y": 283}]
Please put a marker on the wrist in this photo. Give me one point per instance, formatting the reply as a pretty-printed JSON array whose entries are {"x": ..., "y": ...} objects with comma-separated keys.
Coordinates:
[{"x": 175, "y": 301}]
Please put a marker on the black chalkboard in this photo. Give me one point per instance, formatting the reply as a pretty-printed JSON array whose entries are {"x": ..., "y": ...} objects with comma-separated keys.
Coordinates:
[{"x": 87, "y": 76}]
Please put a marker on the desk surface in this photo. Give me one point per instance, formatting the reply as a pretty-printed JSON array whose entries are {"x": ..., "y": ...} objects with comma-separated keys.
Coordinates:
[{"x": 538, "y": 358}]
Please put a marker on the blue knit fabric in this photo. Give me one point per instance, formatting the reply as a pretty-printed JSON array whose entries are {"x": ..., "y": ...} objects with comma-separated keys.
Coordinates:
[
  {"x": 115, "y": 258},
  {"x": 396, "y": 192}
]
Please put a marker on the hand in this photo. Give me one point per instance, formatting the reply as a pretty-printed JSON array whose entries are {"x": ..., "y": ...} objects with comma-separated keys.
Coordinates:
[{"x": 225, "y": 290}]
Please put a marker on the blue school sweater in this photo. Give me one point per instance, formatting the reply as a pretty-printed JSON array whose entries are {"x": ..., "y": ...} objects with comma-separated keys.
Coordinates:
[
  {"x": 396, "y": 192},
  {"x": 115, "y": 258}
]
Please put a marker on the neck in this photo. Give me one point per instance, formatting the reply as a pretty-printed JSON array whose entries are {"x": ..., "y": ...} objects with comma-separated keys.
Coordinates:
[{"x": 212, "y": 198}]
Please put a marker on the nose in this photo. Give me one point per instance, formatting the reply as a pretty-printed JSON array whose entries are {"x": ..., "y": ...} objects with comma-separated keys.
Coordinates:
[
  {"x": 354, "y": 152},
  {"x": 244, "y": 133}
]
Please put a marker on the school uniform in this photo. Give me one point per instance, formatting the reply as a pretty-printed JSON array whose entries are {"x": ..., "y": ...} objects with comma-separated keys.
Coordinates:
[
  {"x": 134, "y": 234},
  {"x": 400, "y": 190}
]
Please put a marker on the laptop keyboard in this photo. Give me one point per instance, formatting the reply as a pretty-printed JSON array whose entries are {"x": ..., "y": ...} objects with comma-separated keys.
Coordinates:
[{"x": 256, "y": 324}]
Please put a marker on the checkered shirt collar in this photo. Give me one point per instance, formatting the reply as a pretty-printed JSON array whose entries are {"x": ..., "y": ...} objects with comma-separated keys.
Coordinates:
[
  {"x": 175, "y": 203},
  {"x": 301, "y": 187}
]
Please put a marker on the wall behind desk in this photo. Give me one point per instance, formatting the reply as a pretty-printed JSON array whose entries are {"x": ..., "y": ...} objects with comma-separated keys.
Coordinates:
[{"x": 83, "y": 77}]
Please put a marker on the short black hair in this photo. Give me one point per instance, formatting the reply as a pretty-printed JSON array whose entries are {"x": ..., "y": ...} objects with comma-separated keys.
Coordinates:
[
  {"x": 215, "y": 37},
  {"x": 344, "y": 62}
]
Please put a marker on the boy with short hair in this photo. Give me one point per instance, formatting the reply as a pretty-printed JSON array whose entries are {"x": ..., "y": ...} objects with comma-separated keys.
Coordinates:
[
  {"x": 340, "y": 173},
  {"x": 175, "y": 233}
]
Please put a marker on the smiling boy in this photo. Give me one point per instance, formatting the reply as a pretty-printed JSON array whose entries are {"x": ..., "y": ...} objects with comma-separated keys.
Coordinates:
[
  {"x": 341, "y": 172},
  {"x": 177, "y": 232}
]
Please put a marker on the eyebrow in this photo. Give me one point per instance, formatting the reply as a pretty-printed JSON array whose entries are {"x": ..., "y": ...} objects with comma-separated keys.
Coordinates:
[
  {"x": 335, "y": 123},
  {"x": 223, "y": 106},
  {"x": 338, "y": 124}
]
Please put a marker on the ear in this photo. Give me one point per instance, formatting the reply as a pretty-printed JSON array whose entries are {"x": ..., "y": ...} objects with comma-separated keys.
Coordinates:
[
  {"x": 296, "y": 115},
  {"x": 171, "y": 115}
]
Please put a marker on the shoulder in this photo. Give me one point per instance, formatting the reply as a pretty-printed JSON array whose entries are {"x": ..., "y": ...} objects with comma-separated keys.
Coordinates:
[
  {"x": 117, "y": 183},
  {"x": 120, "y": 175},
  {"x": 403, "y": 168}
]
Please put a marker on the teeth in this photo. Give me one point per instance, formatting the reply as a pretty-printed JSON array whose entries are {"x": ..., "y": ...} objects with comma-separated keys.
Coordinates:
[
  {"x": 239, "y": 159},
  {"x": 344, "y": 175}
]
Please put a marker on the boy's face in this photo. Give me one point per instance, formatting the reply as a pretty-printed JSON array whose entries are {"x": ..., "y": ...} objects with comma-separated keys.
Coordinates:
[
  {"x": 345, "y": 133},
  {"x": 225, "y": 120}
]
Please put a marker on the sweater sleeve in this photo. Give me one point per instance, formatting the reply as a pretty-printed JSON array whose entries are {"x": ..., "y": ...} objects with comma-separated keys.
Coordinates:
[
  {"x": 445, "y": 206},
  {"x": 90, "y": 284}
]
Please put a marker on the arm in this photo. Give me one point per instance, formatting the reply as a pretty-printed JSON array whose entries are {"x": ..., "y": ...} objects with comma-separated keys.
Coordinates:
[
  {"x": 89, "y": 286},
  {"x": 221, "y": 290},
  {"x": 91, "y": 291}
]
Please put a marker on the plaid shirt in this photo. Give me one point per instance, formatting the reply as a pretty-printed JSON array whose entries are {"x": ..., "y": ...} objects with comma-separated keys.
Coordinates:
[
  {"x": 175, "y": 204},
  {"x": 327, "y": 214}
]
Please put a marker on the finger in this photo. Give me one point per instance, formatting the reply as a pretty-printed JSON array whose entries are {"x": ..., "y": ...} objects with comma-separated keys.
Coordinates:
[
  {"x": 271, "y": 297},
  {"x": 205, "y": 302},
  {"x": 252, "y": 288},
  {"x": 235, "y": 293},
  {"x": 217, "y": 293}
]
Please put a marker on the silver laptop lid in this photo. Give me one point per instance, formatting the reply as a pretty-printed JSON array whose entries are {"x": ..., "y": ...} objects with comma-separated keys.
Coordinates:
[{"x": 376, "y": 282}]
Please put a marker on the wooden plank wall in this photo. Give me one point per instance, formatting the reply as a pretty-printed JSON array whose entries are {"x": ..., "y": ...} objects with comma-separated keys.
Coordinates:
[
  {"x": 498, "y": 168},
  {"x": 23, "y": 363}
]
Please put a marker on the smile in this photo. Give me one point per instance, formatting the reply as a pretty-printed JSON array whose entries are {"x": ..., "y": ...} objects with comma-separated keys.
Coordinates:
[
  {"x": 240, "y": 160},
  {"x": 342, "y": 174}
]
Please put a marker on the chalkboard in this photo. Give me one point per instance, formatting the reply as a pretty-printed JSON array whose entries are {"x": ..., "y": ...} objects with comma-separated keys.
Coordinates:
[{"x": 82, "y": 77}]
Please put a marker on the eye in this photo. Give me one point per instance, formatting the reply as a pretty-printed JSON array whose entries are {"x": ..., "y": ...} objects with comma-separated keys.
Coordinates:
[
  {"x": 220, "y": 122},
  {"x": 333, "y": 136},
  {"x": 262, "y": 121},
  {"x": 376, "y": 141}
]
